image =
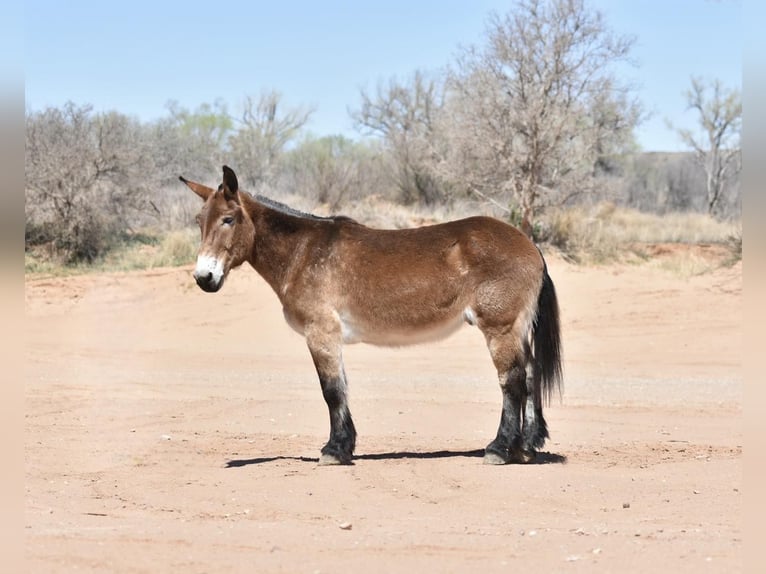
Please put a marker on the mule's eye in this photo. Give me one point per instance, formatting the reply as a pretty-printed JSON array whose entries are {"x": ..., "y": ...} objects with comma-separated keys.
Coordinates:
[{"x": 228, "y": 220}]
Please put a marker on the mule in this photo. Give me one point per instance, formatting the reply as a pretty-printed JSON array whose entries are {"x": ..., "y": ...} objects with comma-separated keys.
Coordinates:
[{"x": 342, "y": 282}]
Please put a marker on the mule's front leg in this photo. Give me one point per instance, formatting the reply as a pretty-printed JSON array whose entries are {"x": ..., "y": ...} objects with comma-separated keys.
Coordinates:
[{"x": 325, "y": 347}]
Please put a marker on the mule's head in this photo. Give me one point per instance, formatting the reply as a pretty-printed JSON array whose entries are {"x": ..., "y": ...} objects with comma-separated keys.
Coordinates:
[{"x": 226, "y": 228}]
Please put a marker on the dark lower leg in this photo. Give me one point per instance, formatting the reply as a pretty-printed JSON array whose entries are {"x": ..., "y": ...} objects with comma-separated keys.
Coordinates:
[
  {"x": 535, "y": 428},
  {"x": 340, "y": 446},
  {"x": 324, "y": 341},
  {"x": 507, "y": 444}
]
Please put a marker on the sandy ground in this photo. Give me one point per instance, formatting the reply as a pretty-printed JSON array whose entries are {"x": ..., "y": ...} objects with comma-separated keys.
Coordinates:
[{"x": 172, "y": 430}]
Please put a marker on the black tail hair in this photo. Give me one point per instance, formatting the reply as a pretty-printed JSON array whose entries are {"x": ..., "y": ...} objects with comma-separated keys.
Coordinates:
[{"x": 547, "y": 343}]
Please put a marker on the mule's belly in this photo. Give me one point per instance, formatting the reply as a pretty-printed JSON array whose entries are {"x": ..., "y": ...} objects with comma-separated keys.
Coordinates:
[{"x": 395, "y": 334}]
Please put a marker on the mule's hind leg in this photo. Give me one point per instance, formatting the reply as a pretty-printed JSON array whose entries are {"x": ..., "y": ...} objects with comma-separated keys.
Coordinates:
[
  {"x": 507, "y": 446},
  {"x": 535, "y": 429},
  {"x": 509, "y": 355},
  {"x": 326, "y": 352}
]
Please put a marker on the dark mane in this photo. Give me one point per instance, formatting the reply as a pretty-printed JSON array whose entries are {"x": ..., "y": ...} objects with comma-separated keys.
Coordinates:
[{"x": 282, "y": 208}]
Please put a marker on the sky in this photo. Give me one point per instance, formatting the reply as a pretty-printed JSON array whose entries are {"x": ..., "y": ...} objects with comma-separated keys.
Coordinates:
[{"x": 135, "y": 57}]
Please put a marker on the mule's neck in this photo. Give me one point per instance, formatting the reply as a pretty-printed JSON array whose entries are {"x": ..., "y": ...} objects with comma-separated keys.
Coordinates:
[{"x": 281, "y": 242}]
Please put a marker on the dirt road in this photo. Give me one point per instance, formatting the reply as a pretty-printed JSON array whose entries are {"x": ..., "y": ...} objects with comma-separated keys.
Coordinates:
[{"x": 173, "y": 430}]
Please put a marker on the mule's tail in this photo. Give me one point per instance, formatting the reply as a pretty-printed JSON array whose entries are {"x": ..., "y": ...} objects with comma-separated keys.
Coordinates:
[{"x": 546, "y": 336}]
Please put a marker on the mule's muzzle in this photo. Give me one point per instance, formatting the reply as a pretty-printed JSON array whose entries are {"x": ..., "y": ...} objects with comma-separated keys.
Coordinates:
[{"x": 207, "y": 282}]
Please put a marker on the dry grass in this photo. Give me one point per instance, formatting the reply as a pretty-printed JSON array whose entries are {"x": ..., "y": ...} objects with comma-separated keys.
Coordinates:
[
  {"x": 605, "y": 233},
  {"x": 178, "y": 247},
  {"x": 153, "y": 249},
  {"x": 143, "y": 251}
]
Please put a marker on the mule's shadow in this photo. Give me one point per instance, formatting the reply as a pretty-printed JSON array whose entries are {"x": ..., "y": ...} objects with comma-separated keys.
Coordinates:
[{"x": 541, "y": 458}]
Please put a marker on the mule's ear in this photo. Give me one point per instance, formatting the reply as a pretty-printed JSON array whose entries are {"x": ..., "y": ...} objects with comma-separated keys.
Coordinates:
[
  {"x": 230, "y": 184},
  {"x": 202, "y": 190}
]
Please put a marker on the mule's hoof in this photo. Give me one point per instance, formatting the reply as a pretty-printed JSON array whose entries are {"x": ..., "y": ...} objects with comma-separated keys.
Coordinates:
[
  {"x": 331, "y": 460},
  {"x": 494, "y": 458}
]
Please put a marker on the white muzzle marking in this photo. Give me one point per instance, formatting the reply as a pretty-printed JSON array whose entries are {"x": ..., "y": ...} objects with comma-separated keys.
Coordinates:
[{"x": 212, "y": 266}]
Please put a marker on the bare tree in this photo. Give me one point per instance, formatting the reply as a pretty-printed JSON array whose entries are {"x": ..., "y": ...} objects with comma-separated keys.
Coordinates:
[
  {"x": 328, "y": 170},
  {"x": 661, "y": 182},
  {"x": 86, "y": 178},
  {"x": 404, "y": 115},
  {"x": 530, "y": 114},
  {"x": 262, "y": 135},
  {"x": 717, "y": 148},
  {"x": 193, "y": 142}
]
